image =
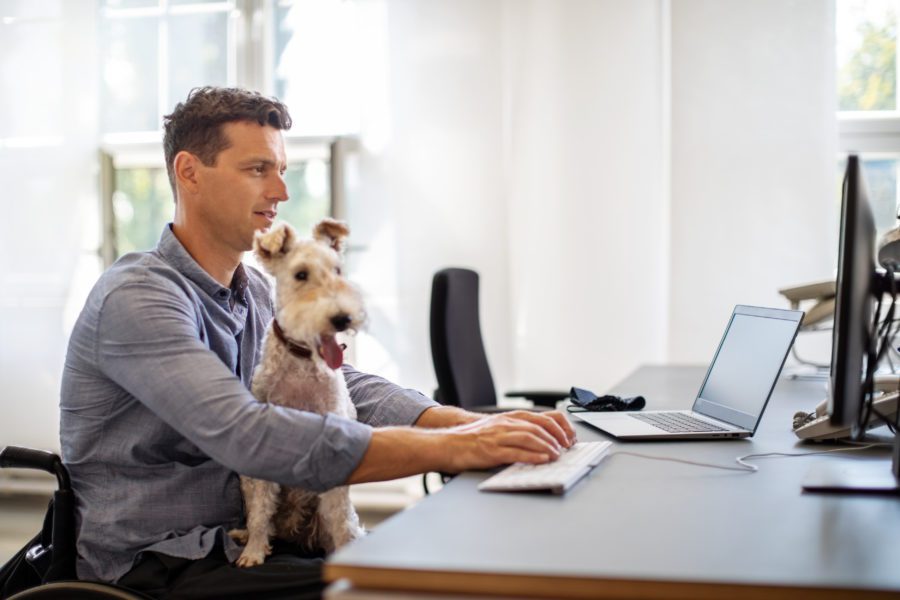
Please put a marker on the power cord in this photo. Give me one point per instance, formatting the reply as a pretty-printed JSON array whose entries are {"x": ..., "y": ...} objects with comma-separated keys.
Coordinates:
[{"x": 745, "y": 467}]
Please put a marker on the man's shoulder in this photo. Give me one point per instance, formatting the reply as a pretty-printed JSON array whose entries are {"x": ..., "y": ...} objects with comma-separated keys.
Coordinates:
[{"x": 140, "y": 272}]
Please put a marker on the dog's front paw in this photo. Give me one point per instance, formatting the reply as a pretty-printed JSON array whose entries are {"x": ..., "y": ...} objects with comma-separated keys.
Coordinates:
[
  {"x": 251, "y": 557},
  {"x": 245, "y": 561},
  {"x": 240, "y": 536}
]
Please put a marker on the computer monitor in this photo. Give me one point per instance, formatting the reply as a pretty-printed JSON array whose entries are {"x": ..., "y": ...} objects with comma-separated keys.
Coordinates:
[
  {"x": 853, "y": 353},
  {"x": 852, "y": 336}
]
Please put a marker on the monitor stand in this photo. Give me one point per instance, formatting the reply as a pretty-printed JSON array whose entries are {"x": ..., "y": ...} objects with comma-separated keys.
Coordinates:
[{"x": 859, "y": 478}]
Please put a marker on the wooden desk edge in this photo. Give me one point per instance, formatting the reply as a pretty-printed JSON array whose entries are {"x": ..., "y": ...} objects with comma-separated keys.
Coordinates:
[{"x": 548, "y": 586}]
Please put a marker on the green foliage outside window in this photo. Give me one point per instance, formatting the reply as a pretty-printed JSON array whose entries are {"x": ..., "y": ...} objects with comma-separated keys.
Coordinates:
[
  {"x": 868, "y": 80},
  {"x": 142, "y": 203}
]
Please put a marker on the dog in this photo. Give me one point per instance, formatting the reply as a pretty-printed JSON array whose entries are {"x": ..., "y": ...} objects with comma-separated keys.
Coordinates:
[{"x": 300, "y": 367}]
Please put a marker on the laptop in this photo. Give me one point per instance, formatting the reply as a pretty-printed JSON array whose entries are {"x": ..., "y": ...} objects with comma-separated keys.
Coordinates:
[{"x": 736, "y": 388}]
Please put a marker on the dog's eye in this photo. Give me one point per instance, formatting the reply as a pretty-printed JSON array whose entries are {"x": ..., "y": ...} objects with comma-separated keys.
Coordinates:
[
  {"x": 301, "y": 275},
  {"x": 337, "y": 270}
]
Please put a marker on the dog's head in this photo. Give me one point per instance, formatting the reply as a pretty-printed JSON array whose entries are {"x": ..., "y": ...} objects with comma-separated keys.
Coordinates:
[{"x": 313, "y": 300}]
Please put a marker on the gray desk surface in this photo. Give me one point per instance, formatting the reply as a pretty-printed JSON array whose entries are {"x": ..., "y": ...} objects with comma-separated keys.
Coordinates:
[{"x": 646, "y": 528}]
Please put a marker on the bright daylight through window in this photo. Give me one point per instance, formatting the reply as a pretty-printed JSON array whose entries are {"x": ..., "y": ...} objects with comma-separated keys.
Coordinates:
[
  {"x": 153, "y": 52},
  {"x": 868, "y": 115}
]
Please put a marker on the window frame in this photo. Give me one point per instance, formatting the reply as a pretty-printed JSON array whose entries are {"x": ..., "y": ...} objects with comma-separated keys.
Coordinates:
[
  {"x": 250, "y": 57},
  {"x": 113, "y": 156}
]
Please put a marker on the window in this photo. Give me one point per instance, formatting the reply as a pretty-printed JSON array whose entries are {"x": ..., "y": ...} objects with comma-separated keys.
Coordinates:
[
  {"x": 868, "y": 109},
  {"x": 141, "y": 202},
  {"x": 153, "y": 52}
]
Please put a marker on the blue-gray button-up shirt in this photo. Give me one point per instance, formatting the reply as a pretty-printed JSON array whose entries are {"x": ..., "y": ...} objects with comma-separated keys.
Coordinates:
[{"x": 156, "y": 417}]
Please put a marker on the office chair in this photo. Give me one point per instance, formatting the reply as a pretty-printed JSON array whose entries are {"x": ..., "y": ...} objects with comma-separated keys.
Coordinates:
[
  {"x": 45, "y": 566},
  {"x": 460, "y": 363}
]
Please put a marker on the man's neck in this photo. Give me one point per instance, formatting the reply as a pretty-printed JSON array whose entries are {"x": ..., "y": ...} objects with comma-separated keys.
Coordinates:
[{"x": 218, "y": 261}]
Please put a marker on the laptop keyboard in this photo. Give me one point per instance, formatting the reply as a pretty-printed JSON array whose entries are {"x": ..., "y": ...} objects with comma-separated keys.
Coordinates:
[{"x": 676, "y": 422}]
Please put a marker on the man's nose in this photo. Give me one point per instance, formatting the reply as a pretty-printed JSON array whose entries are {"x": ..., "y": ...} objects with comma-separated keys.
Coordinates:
[{"x": 279, "y": 191}]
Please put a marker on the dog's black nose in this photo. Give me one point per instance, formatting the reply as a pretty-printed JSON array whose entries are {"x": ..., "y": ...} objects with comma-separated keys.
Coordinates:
[{"x": 341, "y": 322}]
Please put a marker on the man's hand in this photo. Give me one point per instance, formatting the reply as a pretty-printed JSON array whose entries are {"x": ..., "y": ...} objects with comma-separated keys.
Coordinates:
[
  {"x": 450, "y": 416},
  {"x": 551, "y": 427},
  {"x": 504, "y": 438},
  {"x": 489, "y": 441}
]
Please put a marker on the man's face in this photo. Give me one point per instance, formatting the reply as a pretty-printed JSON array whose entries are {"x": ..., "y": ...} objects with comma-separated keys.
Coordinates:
[{"x": 240, "y": 194}]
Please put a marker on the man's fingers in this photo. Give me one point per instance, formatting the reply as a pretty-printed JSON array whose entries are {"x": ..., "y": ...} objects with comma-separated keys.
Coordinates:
[
  {"x": 517, "y": 455},
  {"x": 539, "y": 431},
  {"x": 564, "y": 424},
  {"x": 529, "y": 441},
  {"x": 553, "y": 422}
]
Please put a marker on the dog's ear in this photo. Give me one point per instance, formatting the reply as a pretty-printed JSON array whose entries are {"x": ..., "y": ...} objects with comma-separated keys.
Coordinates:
[
  {"x": 275, "y": 243},
  {"x": 332, "y": 233}
]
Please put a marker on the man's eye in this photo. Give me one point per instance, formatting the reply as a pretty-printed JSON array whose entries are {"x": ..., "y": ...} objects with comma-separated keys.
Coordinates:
[
  {"x": 301, "y": 275},
  {"x": 259, "y": 170}
]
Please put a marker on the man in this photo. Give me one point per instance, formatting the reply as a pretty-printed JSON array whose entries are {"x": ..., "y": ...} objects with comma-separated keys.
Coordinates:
[{"x": 156, "y": 416}]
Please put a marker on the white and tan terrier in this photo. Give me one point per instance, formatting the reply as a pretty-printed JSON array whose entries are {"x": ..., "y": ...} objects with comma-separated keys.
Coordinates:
[{"x": 300, "y": 367}]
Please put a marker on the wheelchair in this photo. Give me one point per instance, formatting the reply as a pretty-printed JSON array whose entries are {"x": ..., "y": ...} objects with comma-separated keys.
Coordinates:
[{"x": 45, "y": 567}]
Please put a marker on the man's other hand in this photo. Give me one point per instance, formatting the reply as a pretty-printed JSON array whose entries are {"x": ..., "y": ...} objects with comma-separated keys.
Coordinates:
[{"x": 504, "y": 438}]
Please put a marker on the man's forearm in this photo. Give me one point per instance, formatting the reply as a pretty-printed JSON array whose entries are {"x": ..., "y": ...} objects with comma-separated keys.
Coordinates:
[
  {"x": 445, "y": 416},
  {"x": 451, "y": 440},
  {"x": 395, "y": 452}
]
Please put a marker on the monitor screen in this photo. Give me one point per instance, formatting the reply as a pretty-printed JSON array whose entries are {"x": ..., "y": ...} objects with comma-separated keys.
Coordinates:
[{"x": 854, "y": 299}]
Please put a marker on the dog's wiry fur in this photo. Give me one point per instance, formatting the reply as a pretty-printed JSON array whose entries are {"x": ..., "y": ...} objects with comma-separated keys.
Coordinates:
[{"x": 312, "y": 303}]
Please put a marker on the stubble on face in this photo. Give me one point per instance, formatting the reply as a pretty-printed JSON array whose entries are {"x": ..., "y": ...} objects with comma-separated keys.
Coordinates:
[{"x": 242, "y": 189}]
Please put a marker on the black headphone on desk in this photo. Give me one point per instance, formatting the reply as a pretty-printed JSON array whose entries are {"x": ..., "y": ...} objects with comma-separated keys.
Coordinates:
[{"x": 586, "y": 401}]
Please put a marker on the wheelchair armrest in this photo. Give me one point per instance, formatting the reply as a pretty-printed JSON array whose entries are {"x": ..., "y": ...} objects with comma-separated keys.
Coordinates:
[
  {"x": 540, "y": 398},
  {"x": 27, "y": 458}
]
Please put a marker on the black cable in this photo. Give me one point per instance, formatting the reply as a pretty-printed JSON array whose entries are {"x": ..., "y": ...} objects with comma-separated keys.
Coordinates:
[
  {"x": 880, "y": 341},
  {"x": 868, "y": 382}
]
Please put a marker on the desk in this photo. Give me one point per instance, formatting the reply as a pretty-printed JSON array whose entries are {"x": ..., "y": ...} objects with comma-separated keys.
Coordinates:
[{"x": 638, "y": 528}]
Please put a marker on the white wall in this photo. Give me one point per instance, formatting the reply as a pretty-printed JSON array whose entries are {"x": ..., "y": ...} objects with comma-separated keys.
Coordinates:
[
  {"x": 585, "y": 191},
  {"x": 754, "y": 200},
  {"x": 525, "y": 141},
  {"x": 49, "y": 231},
  {"x": 621, "y": 174},
  {"x": 431, "y": 195}
]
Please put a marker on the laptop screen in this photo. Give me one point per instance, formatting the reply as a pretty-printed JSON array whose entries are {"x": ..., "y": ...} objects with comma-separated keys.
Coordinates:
[{"x": 747, "y": 364}]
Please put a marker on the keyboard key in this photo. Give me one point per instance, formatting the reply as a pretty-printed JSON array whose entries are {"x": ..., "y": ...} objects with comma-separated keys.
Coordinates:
[{"x": 676, "y": 422}]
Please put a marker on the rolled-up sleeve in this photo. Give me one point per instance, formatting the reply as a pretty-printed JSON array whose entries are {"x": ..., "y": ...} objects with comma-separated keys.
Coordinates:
[
  {"x": 380, "y": 403},
  {"x": 149, "y": 344}
]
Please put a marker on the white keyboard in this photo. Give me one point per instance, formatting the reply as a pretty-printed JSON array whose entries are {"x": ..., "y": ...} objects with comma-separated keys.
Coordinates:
[{"x": 557, "y": 476}]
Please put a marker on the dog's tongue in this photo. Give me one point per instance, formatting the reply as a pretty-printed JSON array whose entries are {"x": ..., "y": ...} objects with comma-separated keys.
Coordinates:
[{"x": 331, "y": 352}]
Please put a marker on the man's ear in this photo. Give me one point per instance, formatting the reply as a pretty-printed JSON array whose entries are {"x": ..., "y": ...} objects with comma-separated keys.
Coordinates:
[
  {"x": 184, "y": 165},
  {"x": 332, "y": 233},
  {"x": 274, "y": 244}
]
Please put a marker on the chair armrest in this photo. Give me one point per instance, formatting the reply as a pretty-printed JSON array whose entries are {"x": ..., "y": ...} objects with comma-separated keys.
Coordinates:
[
  {"x": 26, "y": 458},
  {"x": 540, "y": 398}
]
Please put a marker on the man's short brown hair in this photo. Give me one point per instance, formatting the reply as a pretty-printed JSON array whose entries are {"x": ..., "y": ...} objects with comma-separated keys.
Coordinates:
[{"x": 196, "y": 124}]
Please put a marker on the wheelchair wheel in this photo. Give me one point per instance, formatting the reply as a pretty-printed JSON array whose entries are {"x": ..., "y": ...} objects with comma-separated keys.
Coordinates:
[{"x": 77, "y": 590}]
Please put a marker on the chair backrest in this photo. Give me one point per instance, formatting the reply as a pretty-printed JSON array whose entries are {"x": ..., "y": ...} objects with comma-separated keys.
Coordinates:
[{"x": 457, "y": 351}]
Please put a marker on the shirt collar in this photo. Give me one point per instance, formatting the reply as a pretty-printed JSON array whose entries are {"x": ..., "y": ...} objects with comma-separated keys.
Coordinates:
[{"x": 174, "y": 253}]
